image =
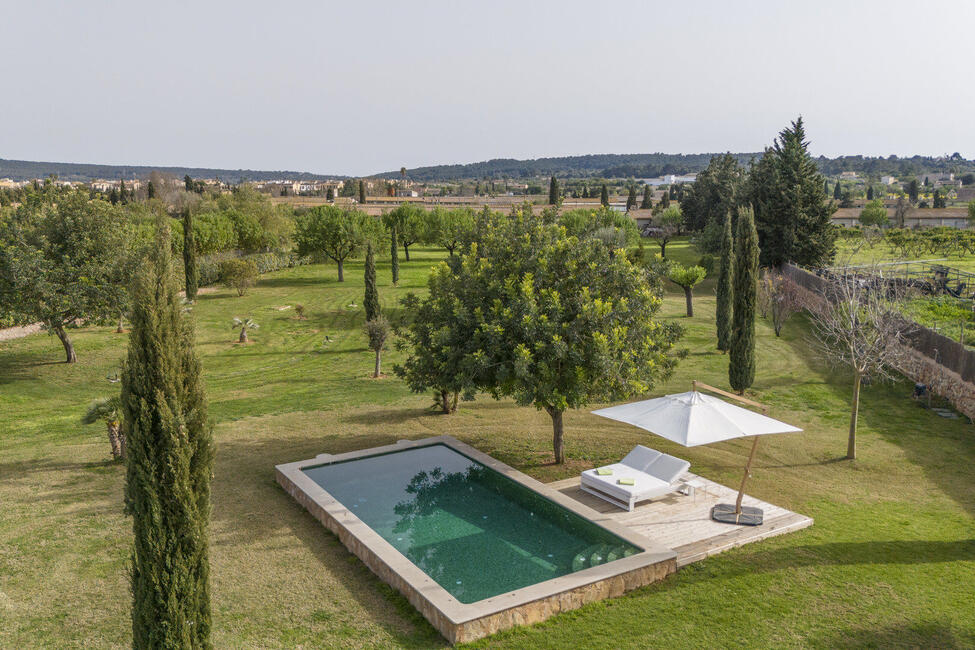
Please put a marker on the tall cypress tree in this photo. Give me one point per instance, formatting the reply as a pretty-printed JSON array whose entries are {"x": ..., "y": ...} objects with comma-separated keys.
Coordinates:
[
  {"x": 394, "y": 252},
  {"x": 870, "y": 192},
  {"x": 604, "y": 196},
  {"x": 726, "y": 291},
  {"x": 837, "y": 191},
  {"x": 631, "y": 198},
  {"x": 553, "y": 191},
  {"x": 371, "y": 300},
  {"x": 826, "y": 186},
  {"x": 169, "y": 444},
  {"x": 647, "y": 202},
  {"x": 741, "y": 355},
  {"x": 191, "y": 272},
  {"x": 585, "y": 192},
  {"x": 362, "y": 191}
]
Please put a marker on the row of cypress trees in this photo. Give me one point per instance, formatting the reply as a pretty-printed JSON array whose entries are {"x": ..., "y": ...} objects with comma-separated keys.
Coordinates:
[{"x": 737, "y": 294}]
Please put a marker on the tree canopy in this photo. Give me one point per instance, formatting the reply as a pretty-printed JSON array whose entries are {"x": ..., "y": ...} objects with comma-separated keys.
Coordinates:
[{"x": 335, "y": 233}]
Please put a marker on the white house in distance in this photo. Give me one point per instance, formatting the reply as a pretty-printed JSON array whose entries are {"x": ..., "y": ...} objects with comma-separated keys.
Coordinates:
[
  {"x": 888, "y": 180},
  {"x": 848, "y": 176}
]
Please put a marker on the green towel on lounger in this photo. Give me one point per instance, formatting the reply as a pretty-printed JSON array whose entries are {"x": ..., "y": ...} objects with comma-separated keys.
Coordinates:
[
  {"x": 625, "y": 481},
  {"x": 603, "y": 471}
]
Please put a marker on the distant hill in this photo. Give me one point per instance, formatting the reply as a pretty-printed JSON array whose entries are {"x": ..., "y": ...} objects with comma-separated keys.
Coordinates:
[
  {"x": 649, "y": 165},
  {"x": 23, "y": 170}
]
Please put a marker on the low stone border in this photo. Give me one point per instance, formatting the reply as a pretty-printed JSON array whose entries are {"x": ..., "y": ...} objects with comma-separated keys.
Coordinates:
[{"x": 460, "y": 622}]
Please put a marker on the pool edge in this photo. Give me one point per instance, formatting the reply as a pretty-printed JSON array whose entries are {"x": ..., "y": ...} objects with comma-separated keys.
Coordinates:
[{"x": 456, "y": 621}]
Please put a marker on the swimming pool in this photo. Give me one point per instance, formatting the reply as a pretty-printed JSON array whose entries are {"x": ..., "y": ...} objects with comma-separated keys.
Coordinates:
[
  {"x": 475, "y": 545},
  {"x": 440, "y": 509}
]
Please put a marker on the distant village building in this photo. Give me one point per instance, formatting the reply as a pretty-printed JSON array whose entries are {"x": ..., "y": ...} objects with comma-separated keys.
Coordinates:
[
  {"x": 848, "y": 176},
  {"x": 888, "y": 180}
]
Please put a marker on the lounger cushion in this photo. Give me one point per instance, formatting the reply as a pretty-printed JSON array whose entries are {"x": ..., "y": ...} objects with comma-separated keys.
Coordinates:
[
  {"x": 667, "y": 468},
  {"x": 644, "y": 486},
  {"x": 641, "y": 457}
]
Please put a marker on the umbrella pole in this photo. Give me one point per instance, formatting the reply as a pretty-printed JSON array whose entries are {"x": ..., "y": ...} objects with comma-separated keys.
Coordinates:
[{"x": 748, "y": 472}]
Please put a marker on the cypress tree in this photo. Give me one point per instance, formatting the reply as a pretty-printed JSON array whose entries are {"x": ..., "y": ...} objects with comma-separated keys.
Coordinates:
[
  {"x": 150, "y": 190},
  {"x": 394, "y": 252},
  {"x": 553, "y": 191},
  {"x": 371, "y": 300},
  {"x": 362, "y": 191},
  {"x": 604, "y": 196},
  {"x": 191, "y": 272},
  {"x": 169, "y": 444},
  {"x": 826, "y": 187},
  {"x": 647, "y": 202},
  {"x": 741, "y": 367},
  {"x": 870, "y": 192},
  {"x": 726, "y": 273},
  {"x": 585, "y": 192},
  {"x": 631, "y": 198},
  {"x": 837, "y": 191},
  {"x": 665, "y": 200}
]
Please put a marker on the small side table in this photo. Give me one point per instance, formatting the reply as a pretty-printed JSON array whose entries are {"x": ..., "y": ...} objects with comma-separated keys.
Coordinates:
[{"x": 690, "y": 487}]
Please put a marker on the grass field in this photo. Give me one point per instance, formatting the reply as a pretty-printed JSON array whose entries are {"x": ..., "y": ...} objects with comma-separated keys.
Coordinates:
[
  {"x": 849, "y": 253},
  {"x": 890, "y": 560}
]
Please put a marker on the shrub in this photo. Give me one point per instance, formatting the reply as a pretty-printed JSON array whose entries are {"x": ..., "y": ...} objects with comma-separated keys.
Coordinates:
[
  {"x": 707, "y": 263},
  {"x": 239, "y": 274}
]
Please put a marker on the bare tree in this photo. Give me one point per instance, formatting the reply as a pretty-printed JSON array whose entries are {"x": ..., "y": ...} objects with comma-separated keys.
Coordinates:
[
  {"x": 857, "y": 326},
  {"x": 778, "y": 298}
]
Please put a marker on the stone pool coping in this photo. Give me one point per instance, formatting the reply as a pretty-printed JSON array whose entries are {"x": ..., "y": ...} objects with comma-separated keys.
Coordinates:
[{"x": 460, "y": 622}]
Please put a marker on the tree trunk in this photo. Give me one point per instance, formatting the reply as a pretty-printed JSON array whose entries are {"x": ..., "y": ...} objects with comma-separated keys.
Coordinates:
[
  {"x": 663, "y": 249},
  {"x": 406, "y": 250},
  {"x": 119, "y": 329},
  {"x": 690, "y": 305},
  {"x": 558, "y": 444},
  {"x": 115, "y": 440},
  {"x": 851, "y": 445},
  {"x": 445, "y": 402},
  {"x": 341, "y": 275},
  {"x": 70, "y": 356},
  {"x": 453, "y": 403},
  {"x": 379, "y": 354},
  {"x": 243, "y": 334}
]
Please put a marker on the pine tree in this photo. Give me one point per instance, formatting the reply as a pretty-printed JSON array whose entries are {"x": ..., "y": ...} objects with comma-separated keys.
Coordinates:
[
  {"x": 647, "y": 202},
  {"x": 726, "y": 273},
  {"x": 553, "y": 191},
  {"x": 371, "y": 300},
  {"x": 631, "y": 198},
  {"x": 837, "y": 191},
  {"x": 870, "y": 192},
  {"x": 604, "y": 197},
  {"x": 169, "y": 444},
  {"x": 191, "y": 272},
  {"x": 362, "y": 191},
  {"x": 394, "y": 252},
  {"x": 741, "y": 355}
]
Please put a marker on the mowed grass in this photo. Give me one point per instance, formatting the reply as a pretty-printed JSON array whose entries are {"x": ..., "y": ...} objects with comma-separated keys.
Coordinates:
[{"x": 890, "y": 560}]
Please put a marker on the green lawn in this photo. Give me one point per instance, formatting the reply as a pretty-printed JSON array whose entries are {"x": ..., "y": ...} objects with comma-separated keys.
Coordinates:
[{"x": 889, "y": 562}]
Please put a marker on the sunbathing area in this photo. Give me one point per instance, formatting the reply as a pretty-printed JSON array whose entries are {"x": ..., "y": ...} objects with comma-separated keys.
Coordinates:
[{"x": 681, "y": 520}]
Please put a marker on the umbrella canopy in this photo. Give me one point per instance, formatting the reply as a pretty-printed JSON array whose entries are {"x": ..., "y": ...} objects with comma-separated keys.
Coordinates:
[{"x": 693, "y": 418}]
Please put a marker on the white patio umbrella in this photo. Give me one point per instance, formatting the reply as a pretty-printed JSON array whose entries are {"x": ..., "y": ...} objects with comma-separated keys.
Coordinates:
[{"x": 693, "y": 419}]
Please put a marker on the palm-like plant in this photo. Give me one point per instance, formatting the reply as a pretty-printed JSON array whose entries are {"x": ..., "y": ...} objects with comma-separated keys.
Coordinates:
[
  {"x": 244, "y": 324},
  {"x": 109, "y": 411}
]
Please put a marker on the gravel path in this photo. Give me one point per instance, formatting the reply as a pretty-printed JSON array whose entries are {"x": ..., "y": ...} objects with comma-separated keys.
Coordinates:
[{"x": 19, "y": 332}]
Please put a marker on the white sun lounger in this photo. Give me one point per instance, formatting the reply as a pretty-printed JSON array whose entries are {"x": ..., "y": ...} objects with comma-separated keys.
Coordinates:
[{"x": 654, "y": 474}]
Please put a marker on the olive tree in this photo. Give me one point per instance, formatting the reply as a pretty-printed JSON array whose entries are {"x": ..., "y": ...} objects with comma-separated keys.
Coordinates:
[
  {"x": 63, "y": 263},
  {"x": 335, "y": 233}
]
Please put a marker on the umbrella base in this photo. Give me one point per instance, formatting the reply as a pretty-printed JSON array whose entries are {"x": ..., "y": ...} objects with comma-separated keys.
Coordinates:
[{"x": 725, "y": 513}]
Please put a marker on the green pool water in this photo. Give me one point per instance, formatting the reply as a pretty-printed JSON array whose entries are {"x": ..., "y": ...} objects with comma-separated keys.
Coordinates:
[{"x": 474, "y": 531}]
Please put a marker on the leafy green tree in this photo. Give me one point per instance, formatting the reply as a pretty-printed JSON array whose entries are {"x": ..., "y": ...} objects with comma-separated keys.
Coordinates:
[
  {"x": 377, "y": 332},
  {"x": 586, "y": 223},
  {"x": 666, "y": 226},
  {"x": 725, "y": 289},
  {"x": 647, "y": 202},
  {"x": 553, "y": 321},
  {"x": 791, "y": 214},
  {"x": 448, "y": 228},
  {"x": 411, "y": 225},
  {"x": 874, "y": 214},
  {"x": 335, "y": 233},
  {"x": 394, "y": 253},
  {"x": 238, "y": 274},
  {"x": 604, "y": 196},
  {"x": 169, "y": 449},
  {"x": 63, "y": 262},
  {"x": 686, "y": 277},
  {"x": 741, "y": 367},
  {"x": 109, "y": 411},
  {"x": 371, "y": 299},
  {"x": 190, "y": 270},
  {"x": 554, "y": 192},
  {"x": 717, "y": 191},
  {"x": 937, "y": 201},
  {"x": 631, "y": 198}
]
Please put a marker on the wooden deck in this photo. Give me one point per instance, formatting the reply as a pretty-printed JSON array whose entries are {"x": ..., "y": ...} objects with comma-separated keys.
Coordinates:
[{"x": 683, "y": 523}]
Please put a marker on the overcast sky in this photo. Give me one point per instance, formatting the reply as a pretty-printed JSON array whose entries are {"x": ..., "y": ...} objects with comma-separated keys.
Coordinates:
[{"x": 356, "y": 88}]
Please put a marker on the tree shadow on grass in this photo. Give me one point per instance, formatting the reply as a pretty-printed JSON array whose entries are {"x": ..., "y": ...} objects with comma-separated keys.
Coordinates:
[
  {"x": 908, "y": 635},
  {"x": 300, "y": 281}
]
